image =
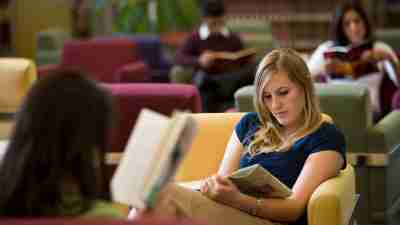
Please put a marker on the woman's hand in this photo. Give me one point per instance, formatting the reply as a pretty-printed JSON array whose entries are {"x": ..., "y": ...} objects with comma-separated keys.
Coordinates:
[
  {"x": 375, "y": 55},
  {"x": 221, "y": 189}
]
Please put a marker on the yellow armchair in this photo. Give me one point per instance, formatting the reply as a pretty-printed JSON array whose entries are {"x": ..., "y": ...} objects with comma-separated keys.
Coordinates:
[
  {"x": 17, "y": 75},
  {"x": 331, "y": 204}
]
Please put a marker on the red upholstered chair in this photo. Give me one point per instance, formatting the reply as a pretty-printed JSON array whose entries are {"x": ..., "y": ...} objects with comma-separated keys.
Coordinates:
[
  {"x": 110, "y": 60},
  {"x": 130, "y": 99}
]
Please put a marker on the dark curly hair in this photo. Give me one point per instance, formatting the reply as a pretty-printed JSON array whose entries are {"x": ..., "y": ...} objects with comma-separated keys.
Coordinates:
[{"x": 61, "y": 134}]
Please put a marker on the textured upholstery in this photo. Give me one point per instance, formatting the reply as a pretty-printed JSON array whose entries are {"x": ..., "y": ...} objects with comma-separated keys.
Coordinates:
[
  {"x": 103, "y": 60},
  {"x": 331, "y": 204},
  {"x": 349, "y": 105}
]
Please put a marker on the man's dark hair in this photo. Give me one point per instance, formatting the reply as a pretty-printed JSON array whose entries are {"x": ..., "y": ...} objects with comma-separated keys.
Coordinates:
[
  {"x": 213, "y": 8},
  {"x": 61, "y": 135}
]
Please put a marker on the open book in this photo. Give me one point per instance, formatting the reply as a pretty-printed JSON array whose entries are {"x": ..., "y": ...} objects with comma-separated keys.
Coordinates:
[
  {"x": 151, "y": 156},
  {"x": 348, "y": 54},
  {"x": 251, "y": 180},
  {"x": 236, "y": 55}
]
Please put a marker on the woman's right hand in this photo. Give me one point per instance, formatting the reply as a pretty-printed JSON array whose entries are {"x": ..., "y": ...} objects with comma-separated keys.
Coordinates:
[{"x": 375, "y": 55}]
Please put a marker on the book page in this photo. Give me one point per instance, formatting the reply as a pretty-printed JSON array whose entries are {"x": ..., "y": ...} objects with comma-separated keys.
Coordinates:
[
  {"x": 250, "y": 180},
  {"x": 237, "y": 55},
  {"x": 174, "y": 146},
  {"x": 138, "y": 158}
]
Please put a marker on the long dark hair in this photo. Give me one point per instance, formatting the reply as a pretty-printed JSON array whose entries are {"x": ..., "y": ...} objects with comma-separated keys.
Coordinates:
[
  {"x": 61, "y": 131},
  {"x": 337, "y": 32}
]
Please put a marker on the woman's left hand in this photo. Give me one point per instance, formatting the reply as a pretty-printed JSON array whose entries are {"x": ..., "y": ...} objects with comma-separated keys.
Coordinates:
[
  {"x": 376, "y": 55},
  {"x": 222, "y": 190}
]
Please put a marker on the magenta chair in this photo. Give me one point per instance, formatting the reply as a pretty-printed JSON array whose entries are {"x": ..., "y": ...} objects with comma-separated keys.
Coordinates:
[
  {"x": 110, "y": 61},
  {"x": 130, "y": 99}
]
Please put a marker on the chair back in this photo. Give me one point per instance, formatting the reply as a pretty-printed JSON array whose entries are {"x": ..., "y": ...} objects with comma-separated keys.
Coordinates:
[
  {"x": 130, "y": 99},
  {"x": 207, "y": 151},
  {"x": 101, "y": 58}
]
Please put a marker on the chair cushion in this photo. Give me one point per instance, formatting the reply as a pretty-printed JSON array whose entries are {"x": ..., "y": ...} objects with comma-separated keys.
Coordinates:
[{"x": 99, "y": 58}]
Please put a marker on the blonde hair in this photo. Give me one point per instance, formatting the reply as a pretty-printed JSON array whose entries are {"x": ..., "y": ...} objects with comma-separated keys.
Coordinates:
[{"x": 268, "y": 137}]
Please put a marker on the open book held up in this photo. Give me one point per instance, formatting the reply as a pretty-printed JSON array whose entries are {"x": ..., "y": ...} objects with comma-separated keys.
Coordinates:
[
  {"x": 230, "y": 61},
  {"x": 236, "y": 55},
  {"x": 250, "y": 180},
  {"x": 151, "y": 156},
  {"x": 348, "y": 54}
]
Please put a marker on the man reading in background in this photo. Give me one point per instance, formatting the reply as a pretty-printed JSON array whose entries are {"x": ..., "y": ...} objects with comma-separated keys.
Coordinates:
[{"x": 216, "y": 75}]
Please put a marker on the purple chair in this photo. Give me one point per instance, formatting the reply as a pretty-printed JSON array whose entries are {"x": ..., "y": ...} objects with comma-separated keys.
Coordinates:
[{"x": 150, "y": 49}]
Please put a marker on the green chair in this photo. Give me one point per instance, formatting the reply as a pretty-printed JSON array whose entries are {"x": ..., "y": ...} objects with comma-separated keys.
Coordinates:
[
  {"x": 370, "y": 147},
  {"x": 390, "y": 37},
  {"x": 49, "y": 45}
]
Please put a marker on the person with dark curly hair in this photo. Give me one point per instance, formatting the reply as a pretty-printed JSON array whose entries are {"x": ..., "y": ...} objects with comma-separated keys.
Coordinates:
[{"x": 54, "y": 162}]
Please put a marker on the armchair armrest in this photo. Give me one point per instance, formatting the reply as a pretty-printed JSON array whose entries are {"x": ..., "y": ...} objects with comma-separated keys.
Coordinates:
[
  {"x": 45, "y": 70},
  {"x": 132, "y": 72},
  {"x": 389, "y": 126},
  {"x": 333, "y": 202}
]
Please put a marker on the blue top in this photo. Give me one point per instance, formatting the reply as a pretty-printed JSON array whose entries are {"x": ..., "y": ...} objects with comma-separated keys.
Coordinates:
[{"x": 286, "y": 166}]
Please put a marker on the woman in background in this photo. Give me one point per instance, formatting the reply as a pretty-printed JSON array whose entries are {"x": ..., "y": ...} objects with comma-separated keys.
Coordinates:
[
  {"x": 54, "y": 163},
  {"x": 351, "y": 28}
]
